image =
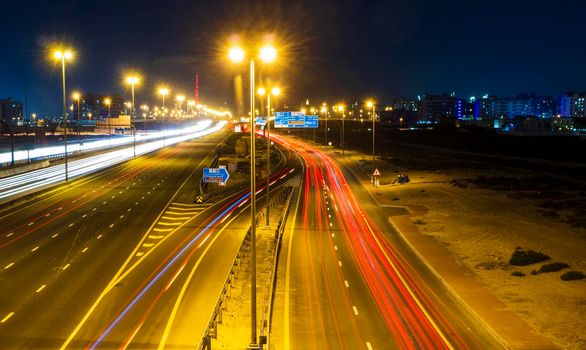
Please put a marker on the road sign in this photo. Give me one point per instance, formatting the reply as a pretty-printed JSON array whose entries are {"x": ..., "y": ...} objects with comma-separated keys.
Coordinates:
[
  {"x": 295, "y": 120},
  {"x": 262, "y": 121},
  {"x": 376, "y": 172},
  {"x": 215, "y": 175}
]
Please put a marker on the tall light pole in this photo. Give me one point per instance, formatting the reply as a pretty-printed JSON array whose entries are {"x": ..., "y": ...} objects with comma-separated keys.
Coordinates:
[
  {"x": 132, "y": 80},
  {"x": 163, "y": 91},
  {"x": 180, "y": 99},
  {"x": 341, "y": 109},
  {"x": 77, "y": 97},
  {"x": 274, "y": 92},
  {"x": 324, "y": 110},
  {"x": 370, "y": 104},
  {"x": 63, "y": 56},
  {"x": 266, "y": 54},
  {"x": 108, "y": 102}
]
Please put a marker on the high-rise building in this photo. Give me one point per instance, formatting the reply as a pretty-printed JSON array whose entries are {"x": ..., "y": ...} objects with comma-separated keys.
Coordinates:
[
  {"x": 10, "y": 110},
  {"x": 572, "y": 105},
  {"x": 438, "y": 107}
]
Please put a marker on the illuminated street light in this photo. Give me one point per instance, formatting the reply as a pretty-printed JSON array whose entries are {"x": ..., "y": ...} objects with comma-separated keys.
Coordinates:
[
  {"x": 370, "y": 104},
  {"x": 133, "y": 80},
  {"x": 324, "y": 110},
  {"x": 341, "y": 110},
  {"x": 64, "y": 55},
  {"x": 77, "y": 97},
  {"x": 180, "y": 99},
  {"x": 266, "y": 54},
  {"x": 163, "y": 91},
  {"x": 108, "y": 102}
]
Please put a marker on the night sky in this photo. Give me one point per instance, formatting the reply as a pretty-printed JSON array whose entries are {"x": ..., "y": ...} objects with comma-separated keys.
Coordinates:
[{"x": 331, "y": 50}]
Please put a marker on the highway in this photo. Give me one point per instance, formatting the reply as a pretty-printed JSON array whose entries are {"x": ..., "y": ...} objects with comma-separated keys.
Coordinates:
[
  {"x": 59, "y": 251},
  {"x": 347, "y": 279}
]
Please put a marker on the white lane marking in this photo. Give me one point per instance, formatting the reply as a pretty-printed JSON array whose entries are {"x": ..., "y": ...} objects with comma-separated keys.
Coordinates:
[
  {"x": 10, "y": 234},
  {"x": 111, "y": 225},
  {"x": 55, "y": 235},
  {"x": 148, "y": 245},
  {"x": 84, "y": 250},
  {"x": 177, "y": 218},
  {"x": 127, "y": 187},
  {"x": 83, "y": 196},
  {"x": 59, "y": 208},
  {"x": 162, "y": 229},
  {"x": 93, "y": 191},
  {"x": 339, "y": 263},
  {"x": 31, "y": 223},
  {"x": 65, "y": 267},
  {"x": 331, "y": 224},
  {"x": 8, "y": 266},
  {"x": 113, "y": 197},
  {"x": 169, "y": 223},
  {"x": 41, "y": 288},
  {"x": 94, "y": 209},
  {"x": 7, "y": 317},
  {"x": 139, "y": 254},
  {"x": 154, "y": 188},
  {"x": 104, "y": 202},
  {"x": 129, "y": 209},
  {"x": 156, "y": 236},
  {"x": 333, "y": 235},
  {"x": 35, "y": 248},
  {"x": 100, "y": 236},
  {"x": 84, "y": 215},
  {"x": 149, "y": 192},
  {"x": 142, "y": 197},
  {"x": 48, "y": 214},
  {"x": 135, "y": 203},
  {"x": 346, "y": 284},
  {"x": 182, "y": 213},
  {"x": 335, "y": 247},
  {"x": 368, "y": 346},
  {"x": 121, "y": 216},
  {"x": 120, "y": 192},
  {"x": 71, "y": 224},
  {"x": 355, "y": 310}
]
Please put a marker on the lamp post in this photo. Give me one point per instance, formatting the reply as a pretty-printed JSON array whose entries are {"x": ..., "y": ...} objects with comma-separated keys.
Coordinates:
[
  {"x": 341, "y": 109},
  {"x": 370, "y": 104},
  {"x": 324, "y": 110},
  {"x": 180, "y": 99},
  {"x": 132, "y": 80},
  {"x": 63, "y": 56},
  {"x": 274, "y": 92},
  {"x": 163, "y": 92},
  {"x": 236, "y": 55},
  {"x": 108, "y": 102},
  {"x": 77, "y": 97}
]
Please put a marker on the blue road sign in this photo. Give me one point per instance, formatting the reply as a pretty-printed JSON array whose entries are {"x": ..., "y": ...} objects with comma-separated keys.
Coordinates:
[
  {"x": 215, "y": 175},
  {"x": 262, "y": 121},
  {"x": 295, "y": 120}
]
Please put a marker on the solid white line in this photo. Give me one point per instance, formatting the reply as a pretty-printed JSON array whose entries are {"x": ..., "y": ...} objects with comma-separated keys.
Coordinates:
[
  {"x": 355, "y": 310},
  {"x": 41, "y": 288},
  {"x": 7, "y": 317}
]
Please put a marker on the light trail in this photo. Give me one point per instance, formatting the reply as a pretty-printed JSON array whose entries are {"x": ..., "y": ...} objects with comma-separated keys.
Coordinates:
[
  {"x": 411, "y": 316},
  {"x": 36, "y": 179}
]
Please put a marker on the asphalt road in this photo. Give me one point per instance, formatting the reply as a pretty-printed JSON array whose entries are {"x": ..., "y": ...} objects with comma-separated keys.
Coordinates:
[
  {"x": 347, "y": 279},
  {"x": 60, "y": 251}
]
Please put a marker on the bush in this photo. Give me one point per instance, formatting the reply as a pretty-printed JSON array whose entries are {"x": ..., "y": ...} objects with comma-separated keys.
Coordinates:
[
  {"x": 526, "y": 257},
  {"x": 419, "y": 222},
  {"x": 517, "y": 274},
  {"x": 572, "y": 276},
  {"x": 553, "y": 267}
]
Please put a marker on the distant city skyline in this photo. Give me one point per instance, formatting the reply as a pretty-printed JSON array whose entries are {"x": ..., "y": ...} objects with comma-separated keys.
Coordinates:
[{"x": 354, "y": 49}]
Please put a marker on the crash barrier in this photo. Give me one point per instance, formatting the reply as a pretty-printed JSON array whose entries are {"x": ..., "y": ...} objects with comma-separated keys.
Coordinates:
[
  {"x": 211, "y": 330},
  {"x": 267, "y": 307}
]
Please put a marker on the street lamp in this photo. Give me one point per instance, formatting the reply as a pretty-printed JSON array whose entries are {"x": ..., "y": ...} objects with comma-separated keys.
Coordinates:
[
  {"x": 274, "y": 92},
  {"x": 324, "y": 110},
  {"x": 191, "y": 104},
  {"x": 133, "y": 80},
  {"x": 266, "y": 54},
  {"x": 341, "y": 109},
  {"x": 163, "y": 91},
  {"x": 77, "y": 97},
  {"x": 370, "y": 104},
  {"x": 180, "y": 99},
  {"x": 64, "y": 55}
]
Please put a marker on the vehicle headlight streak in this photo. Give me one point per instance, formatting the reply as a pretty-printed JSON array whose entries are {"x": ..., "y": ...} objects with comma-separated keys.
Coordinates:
[{"x": 29, "y": 181}]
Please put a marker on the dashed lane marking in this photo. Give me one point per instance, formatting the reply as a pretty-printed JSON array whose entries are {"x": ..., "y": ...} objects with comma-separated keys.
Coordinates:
[
  {"x": 31, "y": 223},
  {"x": 177, "y": 218},
  {"x": 163, "y": 229},
  {"x": 346, "y": 284},
  {"x": 111, "y": 225},
  {"x": 71, "y": 224},
  {"x": 156, "y": 236},
  {"x": 100, "y": 236},
  {"x": 339, "y": 263},
  {"x": 169, "y": 223},
  {"x": 148, "y": 245},
  {"x": 335, "y": 247},
  {"x": 55, "y": 235},
  {"x": 84, "y": 249},
  {"x": 65, "y": 267},
  {"x": 10, "y": 234},
  {"x": 41, "y": 288},
  {"x": 368, "y": 346},
  {"x": 35, "y": 248},
  {"x": 355, "y": 310},
  {"x": 8, "y": 266},
  {"x": 139, "y": 254}
]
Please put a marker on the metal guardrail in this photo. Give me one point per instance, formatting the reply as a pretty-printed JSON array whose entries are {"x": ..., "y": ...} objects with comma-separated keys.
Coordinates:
[
  {"x": 211, "y": 330},
  {"x": 267, "y": 308}
]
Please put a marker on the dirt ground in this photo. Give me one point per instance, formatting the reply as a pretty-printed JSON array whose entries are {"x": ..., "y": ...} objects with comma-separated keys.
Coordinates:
[{"x": 481, "y": 226}]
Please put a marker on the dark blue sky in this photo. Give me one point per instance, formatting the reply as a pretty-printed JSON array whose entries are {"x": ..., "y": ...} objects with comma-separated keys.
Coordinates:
[{"x": 342, "y": 49}]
